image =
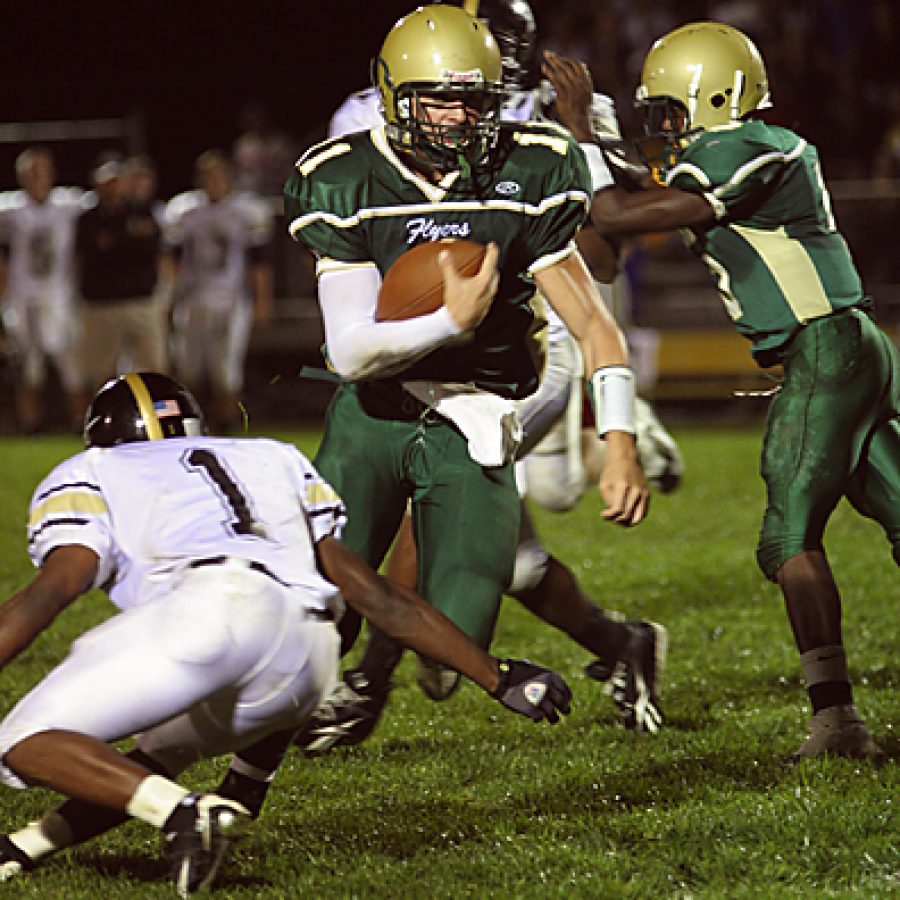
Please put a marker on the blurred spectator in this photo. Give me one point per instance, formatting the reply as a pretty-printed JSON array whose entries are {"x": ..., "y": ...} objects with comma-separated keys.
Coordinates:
[
  {"x": 118, "y": 249},
  {"x": 262, "y": 154},
  {"x": 219, "y": 240},
  {"x": 141, "y": 185},
  {"x": 37, "y": 233}
]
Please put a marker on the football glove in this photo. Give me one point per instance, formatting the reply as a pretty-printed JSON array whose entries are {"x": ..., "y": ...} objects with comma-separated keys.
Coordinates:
[{"x": 532, "y": 690}]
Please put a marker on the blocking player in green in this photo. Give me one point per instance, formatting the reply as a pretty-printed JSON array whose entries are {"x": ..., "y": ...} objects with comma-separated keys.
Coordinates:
[
  {"x": 425, "y": 410},
  {"x": 753, "y": 206}
]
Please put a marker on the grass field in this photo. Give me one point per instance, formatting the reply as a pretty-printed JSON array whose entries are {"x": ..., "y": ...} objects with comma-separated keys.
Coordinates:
[{"x": 463, "y": 799}]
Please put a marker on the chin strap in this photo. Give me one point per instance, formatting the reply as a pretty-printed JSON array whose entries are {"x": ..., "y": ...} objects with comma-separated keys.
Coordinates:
[{"x": 465, "y": 169}]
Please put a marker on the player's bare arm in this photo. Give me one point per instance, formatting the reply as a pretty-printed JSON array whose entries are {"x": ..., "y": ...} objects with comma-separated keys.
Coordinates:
[
  {"x": 469, "y": 299},
  {"x": 601, "y": 254},
  {"x": 65, "y": 574},
  {"x": 570, "y": 289},
  {"x": 403, "y": 615},
  {"x": 574, "y": 91},
  {"x": 618, "y": 213}
]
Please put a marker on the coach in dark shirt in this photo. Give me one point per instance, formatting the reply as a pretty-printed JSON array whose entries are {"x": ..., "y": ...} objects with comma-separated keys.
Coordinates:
[{"x": 117, "y": 249}]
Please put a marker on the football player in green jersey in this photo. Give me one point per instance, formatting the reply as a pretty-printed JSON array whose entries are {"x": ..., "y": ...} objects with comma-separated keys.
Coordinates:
[
  {"x": 753, "y": 206},
  {"x": 425, "y": 410}
]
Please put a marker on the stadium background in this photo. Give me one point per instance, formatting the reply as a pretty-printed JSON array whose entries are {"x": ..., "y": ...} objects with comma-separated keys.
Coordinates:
[{"x": 170, "y": 80}]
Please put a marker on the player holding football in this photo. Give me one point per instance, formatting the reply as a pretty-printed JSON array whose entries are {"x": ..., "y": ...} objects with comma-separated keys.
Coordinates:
[
  {"x": 426, "y": 410},
  {"x": 229, "y": 574},
  {"x": 753, "y": 205},
  {"x": 630, "y": 654}
]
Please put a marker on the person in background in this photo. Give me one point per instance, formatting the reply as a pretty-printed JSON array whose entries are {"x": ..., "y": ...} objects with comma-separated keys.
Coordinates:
[
  {"x": 118, "y": 260},
  {"x": 219, "y": 249},
  {"x": 37, "y": 281},
  {"x": 262, "y": 154}
]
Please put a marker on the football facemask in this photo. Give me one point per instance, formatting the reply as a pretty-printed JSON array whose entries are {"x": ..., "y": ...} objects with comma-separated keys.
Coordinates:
[
  {"x": 141, "y": 406},
  {"x": 439, "y": 55}
]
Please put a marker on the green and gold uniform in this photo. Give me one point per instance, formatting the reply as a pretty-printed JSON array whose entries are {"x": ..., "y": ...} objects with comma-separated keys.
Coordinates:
[
  {"x": 787, "y": 279},
  {"x": 354, "y": 202}
]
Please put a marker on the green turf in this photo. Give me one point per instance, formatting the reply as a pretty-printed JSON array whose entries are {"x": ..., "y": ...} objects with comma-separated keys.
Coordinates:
[{"x": 463, "y": 799}]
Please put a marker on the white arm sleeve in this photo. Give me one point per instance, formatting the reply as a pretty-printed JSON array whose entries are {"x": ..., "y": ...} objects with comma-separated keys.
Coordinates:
[
  {"x": 360, "y": 347},
  {"x": 601, "y": 177}
]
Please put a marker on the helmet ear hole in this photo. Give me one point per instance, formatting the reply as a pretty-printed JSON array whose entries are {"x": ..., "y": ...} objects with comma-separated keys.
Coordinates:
[{"x": 717, "y": 101}]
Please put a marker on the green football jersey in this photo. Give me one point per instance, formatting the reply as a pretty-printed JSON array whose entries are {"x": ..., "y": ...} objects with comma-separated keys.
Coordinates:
[
  {"x": 353, "y": 201},
  {"x": 775, "y": 251}
]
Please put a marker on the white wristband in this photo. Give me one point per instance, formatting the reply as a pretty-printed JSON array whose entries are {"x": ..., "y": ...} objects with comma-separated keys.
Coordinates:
[
  {"x": 601, "y": 177},
  {"x": 612, "y": 390}
]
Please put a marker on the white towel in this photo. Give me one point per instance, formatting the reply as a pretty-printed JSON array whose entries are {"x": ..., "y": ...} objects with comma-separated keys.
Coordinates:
[{"x": 489, "y": 422}]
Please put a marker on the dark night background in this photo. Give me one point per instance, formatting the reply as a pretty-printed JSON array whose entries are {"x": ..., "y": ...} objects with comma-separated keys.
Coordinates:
[{"x": 183, "y": 71}]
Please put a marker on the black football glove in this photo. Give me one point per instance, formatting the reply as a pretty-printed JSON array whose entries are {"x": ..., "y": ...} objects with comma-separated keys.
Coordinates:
[{"x": 532, "y": 690}]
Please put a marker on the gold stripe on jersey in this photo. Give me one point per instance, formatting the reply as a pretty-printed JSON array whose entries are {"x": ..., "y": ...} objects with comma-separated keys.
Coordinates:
[
  {"x": 72, "y": 501},
  {"x": 318, "y": 492},
  {"x": 311, "y": 163},
  {"x": 327, "y": 264},
  {"x": 791, "y": 268},
  {"x": 145, "y": 406},
  {"x": 557, "y": 145},
  {"x": 551, "y": 259}
]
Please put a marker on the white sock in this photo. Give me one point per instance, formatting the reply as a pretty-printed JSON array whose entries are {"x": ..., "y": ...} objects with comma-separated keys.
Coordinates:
[
  {"x": 155, "y": 800},
  {"x": 38, "y": 839}
]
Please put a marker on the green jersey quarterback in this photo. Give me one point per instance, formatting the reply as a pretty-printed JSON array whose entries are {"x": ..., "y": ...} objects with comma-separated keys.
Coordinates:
[
  {"x": 775, "y": 252},
  {"x": 353, "y": 201}
]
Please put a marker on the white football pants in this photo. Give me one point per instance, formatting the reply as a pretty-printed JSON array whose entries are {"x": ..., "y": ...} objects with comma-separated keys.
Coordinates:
[{"x": 226, "y": 657}]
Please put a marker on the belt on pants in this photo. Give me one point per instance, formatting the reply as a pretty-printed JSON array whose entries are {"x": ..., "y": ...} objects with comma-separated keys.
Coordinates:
[
  {"x": 324, "y": 615},
  {"x": 390, "y": 400}
]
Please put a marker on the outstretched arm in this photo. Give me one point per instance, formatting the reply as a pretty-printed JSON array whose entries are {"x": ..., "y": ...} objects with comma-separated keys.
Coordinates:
[
  {"x": 617, "y": 213},
  {"x": 404, "y": 616}
]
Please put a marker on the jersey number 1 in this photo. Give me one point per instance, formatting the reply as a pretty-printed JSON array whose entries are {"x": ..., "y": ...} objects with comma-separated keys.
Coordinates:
[{"x": 208, "y": 462}]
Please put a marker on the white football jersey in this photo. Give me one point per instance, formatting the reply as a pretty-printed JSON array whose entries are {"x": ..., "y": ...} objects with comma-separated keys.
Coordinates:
[
  {"x": 41, "y": 237},
  {"x": 215, "y": 240},
  {"x": 359, "y": 112},
  {"x": 149, "y": 508}
]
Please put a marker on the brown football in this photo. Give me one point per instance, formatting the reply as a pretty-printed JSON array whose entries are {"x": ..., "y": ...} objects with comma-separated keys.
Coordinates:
[{"x": 414, "y": 285}]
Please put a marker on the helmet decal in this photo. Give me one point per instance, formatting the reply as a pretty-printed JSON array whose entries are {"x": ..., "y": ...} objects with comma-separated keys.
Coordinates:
[{"x": 141, "y": 406}]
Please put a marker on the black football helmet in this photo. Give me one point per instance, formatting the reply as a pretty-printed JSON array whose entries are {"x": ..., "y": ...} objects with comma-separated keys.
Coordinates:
[
  {"x": 513, "y": 25},
  {"x": 141, "y": 406}
]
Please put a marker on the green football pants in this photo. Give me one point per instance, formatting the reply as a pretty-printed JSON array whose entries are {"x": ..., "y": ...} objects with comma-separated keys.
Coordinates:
[
  {"x": 465, "y": 517},
  {"x": 833, "y": 430}
]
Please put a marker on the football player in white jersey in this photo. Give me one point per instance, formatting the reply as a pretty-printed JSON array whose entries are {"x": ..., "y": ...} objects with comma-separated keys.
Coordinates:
[
  {"x": 219, "y": 243},
  {"x": 37, "y": 276},
  {"x": 223, "y": 556},
  {"x": 550, "y": 470}
]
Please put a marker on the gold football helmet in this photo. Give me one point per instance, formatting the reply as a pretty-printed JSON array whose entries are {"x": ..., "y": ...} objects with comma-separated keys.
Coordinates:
[
  {"x": 440, "y": 52},
  {"x": 701, "y": 75}
]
